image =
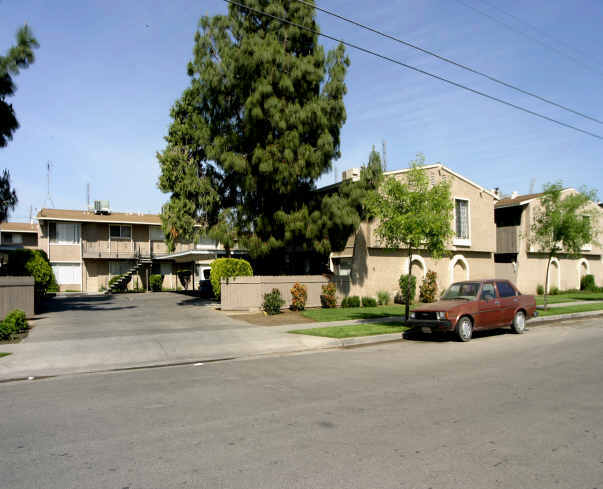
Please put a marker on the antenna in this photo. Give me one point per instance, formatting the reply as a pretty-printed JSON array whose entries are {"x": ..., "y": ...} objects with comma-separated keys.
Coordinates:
[
  {"x": 384, "y": 155},
  {"x": 30, "y": 214},
  {"x": 48, "y": 196},
  {"x": 88, "y": 196},
  {"x": 532, "y": 183}
]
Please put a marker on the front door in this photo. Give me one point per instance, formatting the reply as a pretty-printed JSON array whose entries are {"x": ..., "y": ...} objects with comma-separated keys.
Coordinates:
[{"x": 489, "y": 306}]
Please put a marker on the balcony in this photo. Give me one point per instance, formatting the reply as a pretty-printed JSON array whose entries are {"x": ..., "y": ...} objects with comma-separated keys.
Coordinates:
[
  {"x": 507, "y": 239},
  {"x": 114, "y": 249}
]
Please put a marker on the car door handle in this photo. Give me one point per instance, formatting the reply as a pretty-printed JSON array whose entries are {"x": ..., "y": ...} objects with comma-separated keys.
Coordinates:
[{"x": 515, "y": 300}]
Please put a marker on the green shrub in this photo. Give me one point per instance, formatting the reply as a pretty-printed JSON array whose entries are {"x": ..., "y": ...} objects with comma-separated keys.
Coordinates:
[
  {"x": 14, "y": 323},
  {"x": 327, "y": 298},
  {"x": 540, "y": 289},
  {"x": 554, "y": 291},
  {"x": 369, "y": 302},
  {"x": 122, "y": 286},
  {"x": 34, "y": 263},
  {"x": 273, "y": 302},
  {"x": 404, "y": 285},
  {"x": 383, "y": 298},
  {"x": 299, "y": 296},
  {"x": 588, "y": 283},
  {"x": 428, "y": 290},
  {"x": 351, "y": 301},
  {"x": 226, "y": 268},
  {"x": 156, "y": 282}
]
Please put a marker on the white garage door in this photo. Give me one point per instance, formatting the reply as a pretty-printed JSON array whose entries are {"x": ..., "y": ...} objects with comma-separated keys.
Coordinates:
[{"x": 67, "y": 273}]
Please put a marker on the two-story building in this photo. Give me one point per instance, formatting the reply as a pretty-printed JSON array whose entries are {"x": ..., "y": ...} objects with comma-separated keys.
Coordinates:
[
  {"x": 520, "y": 261},
  {"x": 87, "y": 248},
  {"x": 365, "y": 266},
  {"x": 15, "y": 235}
]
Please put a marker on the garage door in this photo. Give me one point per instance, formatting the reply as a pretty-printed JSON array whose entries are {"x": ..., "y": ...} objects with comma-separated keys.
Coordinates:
[{"x": 67, "y": 273}]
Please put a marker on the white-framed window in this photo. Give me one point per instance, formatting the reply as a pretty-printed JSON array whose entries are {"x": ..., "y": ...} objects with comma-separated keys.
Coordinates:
[
  {"x": 156, "y": 233},
  {"x": 462, "y": 222},
  {"x": 67, "y": 273},
  {"x": 64, "y": 232},
  {"x": 120, "y": 231}
]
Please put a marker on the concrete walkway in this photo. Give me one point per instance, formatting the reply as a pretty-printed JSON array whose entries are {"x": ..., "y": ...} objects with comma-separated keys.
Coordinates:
[{"x": 575, "y": 303}]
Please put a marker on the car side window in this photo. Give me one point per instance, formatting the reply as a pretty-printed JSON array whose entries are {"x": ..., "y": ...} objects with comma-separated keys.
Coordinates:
[
  {"x": 505, "y": 289},
  {"x": 488, "y": 292}
]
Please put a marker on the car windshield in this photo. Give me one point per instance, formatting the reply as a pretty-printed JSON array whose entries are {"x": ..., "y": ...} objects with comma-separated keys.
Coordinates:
[{"x": 462, "y": 290}]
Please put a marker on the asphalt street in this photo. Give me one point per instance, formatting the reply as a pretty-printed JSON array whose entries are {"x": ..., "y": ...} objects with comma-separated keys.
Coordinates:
[{"x": 502, "y": 411}]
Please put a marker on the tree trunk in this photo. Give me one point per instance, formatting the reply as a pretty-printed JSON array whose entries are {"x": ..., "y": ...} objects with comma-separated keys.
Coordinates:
[
  {"x": 546, "y": 280},
  {"x": 407, "y": 298}
]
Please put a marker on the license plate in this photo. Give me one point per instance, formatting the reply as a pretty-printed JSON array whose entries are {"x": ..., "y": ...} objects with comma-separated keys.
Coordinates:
[{"x": 425, "y": 329}]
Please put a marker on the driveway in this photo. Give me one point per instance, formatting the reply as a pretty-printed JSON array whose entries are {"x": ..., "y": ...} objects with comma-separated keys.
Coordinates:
[{"x": 86, "y": 317}]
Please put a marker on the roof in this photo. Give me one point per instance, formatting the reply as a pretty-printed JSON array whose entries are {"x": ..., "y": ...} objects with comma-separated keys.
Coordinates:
[
  {"x": 19, "y": 227},
  {"x": 521, "y": 199},
  {"x": 86, "y": 216}
]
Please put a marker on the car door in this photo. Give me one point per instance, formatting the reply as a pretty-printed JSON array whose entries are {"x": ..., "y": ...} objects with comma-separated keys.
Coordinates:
[
  {"x": 508, "y": 300},
  {"x": 489, "y": 306}
]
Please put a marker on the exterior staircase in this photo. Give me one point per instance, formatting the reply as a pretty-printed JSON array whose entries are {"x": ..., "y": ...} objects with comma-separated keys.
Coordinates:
[{"x": 126, "y": 277}]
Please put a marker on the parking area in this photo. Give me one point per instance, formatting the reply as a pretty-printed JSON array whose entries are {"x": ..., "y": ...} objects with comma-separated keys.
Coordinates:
[{"x": 84, "y": 317}]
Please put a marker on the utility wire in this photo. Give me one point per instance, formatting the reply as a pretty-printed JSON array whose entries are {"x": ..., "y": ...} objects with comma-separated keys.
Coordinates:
[
  {"x": 414, "y": 68},
  {"x": 448, "y": 60},
  {"x": 531, "y": 37}
]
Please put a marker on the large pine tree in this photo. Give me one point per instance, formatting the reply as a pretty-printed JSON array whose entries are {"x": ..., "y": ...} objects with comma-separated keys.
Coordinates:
[{"x": 258, "y": 125}]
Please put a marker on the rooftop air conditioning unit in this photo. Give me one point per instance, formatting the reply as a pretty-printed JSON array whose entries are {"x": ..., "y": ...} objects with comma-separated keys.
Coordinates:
[{"x": 101, "y": 207}]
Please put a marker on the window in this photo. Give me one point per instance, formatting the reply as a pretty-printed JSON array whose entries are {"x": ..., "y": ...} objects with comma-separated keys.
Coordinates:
[
  {"x": 462, "y": 218},
  {"x": 119, "y": 267},
  {"x": 117, "y": 231},
  {"x": 488, "y": 292},
  {"x": 67, "y": 273},
  {"x": 12, "y": 238},
  {"x": 343, "y": 266},
  {"x": 505, "y": 289},
  {"x": 157, "y": 233},
  {"x": 64, "y": 232}
]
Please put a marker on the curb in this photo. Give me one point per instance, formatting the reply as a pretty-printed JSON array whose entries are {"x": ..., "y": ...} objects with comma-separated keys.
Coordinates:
[{"x": 561, "y": 317}]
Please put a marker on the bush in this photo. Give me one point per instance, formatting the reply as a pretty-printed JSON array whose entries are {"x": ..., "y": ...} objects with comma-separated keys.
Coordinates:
[
  {"x": 588, "y": 283},
  {"x": 540, "y": 289},
  {"x": 429, "y": 287},
  {"x": 122, "y": 286},
  {"x": 226, "y": 268},
  {"x": 554, "y": 291},
  {"x": 383, "y": 298},
  {"x": 156, "y": 282},
  {"x": 351, "y": 301},
  {"x": 34, "y": 263},
  {"x": 327, "y": 298},
  {"x": 369, "y": 302},
  {"x": 404, "y": 284},
  {"x": 299, "y": 296},
  {"x": 273, "y": 302},
  {"x": 14, "y": 323}
]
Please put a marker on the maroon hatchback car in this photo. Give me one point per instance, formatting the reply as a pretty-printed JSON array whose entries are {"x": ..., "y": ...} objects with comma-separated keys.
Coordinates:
[{"x": 475, "y": 305}]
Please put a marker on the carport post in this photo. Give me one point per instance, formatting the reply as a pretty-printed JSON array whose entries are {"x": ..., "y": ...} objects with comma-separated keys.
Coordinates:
[
  {"x": 147, "y": 267},
  {"x": 194, "y": 276}
]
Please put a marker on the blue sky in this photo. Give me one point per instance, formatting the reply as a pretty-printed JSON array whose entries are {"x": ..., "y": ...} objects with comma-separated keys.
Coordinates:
[{"x": 96, "y": 102}]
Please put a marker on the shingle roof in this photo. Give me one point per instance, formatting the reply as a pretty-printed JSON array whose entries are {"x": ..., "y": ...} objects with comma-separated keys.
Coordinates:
[
  {"x": 520, "y": 199},
  {"x": 86, "y": 216},
  {"x": 19, "y": 227}
]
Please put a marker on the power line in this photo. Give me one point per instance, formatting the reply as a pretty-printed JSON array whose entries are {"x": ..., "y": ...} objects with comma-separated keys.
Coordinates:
[
  {"x": 450, "y": 61},
  {"x": 414, "y": 68},
  {"x": 531, "y": 37}
]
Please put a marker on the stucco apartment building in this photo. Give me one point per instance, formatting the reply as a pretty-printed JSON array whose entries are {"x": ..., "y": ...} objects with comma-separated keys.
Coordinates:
[
  {"x": 18, "y": 235},
  {"x": 365, "y": 266},
  {"x": 520, "y": 261},
  {"x": 87, "y": 248}
]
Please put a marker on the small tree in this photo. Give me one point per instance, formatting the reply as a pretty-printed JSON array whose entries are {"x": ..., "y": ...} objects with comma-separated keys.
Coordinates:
[
  {"x": 563, "y": 224},
  {"x": 414, "y": 215}
]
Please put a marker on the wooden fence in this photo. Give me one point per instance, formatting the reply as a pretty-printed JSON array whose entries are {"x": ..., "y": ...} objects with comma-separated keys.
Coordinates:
[{"x": 16, "y": 293}]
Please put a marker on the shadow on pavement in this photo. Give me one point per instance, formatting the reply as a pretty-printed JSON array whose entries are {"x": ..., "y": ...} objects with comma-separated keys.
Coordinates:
[
  {"x": 91, "y": 303},
  {"x": 418, "y": 335}
]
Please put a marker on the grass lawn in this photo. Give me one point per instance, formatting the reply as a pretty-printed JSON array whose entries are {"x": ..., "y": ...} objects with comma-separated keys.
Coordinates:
[
  {"x": 342, "y": 313},
  {"x": 577, "y": 296},
  {"x": 553, "y": 311},
  {"x": 4, "y": 354},
  {"x": 353, "y": 330}
]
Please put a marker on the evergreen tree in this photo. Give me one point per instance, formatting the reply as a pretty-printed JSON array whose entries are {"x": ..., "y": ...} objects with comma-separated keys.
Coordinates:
[
  {"x": 258, "y": 125},
  {"x": 18, "y": 57}
]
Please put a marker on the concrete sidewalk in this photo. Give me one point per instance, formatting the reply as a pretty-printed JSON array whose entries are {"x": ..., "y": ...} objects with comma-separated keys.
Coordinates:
[{"x": 565, "y": 304}]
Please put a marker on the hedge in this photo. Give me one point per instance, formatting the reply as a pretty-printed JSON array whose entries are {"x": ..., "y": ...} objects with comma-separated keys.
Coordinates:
[
  {"x": 226, "y": 268},
  {"x": 156, "y": 282},
  {"x": 14, "y": 323}
]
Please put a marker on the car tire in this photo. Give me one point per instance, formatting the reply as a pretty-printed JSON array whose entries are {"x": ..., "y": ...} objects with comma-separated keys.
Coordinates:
[
  {"x": 519, "y": 322},
  {"x": 464, "y": 329}
]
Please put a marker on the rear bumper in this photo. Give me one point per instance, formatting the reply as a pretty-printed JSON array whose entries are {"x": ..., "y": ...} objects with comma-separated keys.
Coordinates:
[{"x": 434, "y": 324}]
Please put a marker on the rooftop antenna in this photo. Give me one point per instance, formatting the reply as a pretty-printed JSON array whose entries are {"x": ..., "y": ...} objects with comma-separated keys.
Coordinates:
[
  {"x": 48, "y": 196},
  {"x": 384, "y": 155},
  {"x": 532, "y": 183},
  {"x": 30, "y": 214},
  {"x": 88, "y": 196}
]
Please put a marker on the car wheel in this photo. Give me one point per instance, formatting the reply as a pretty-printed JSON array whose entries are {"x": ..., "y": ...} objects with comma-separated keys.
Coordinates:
[
  {"x": 519, "y": 322},
  {"x": 464, "y": 328}
]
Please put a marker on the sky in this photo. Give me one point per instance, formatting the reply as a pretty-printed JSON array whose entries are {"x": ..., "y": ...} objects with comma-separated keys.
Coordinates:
[{"x": 96, "y": 102}]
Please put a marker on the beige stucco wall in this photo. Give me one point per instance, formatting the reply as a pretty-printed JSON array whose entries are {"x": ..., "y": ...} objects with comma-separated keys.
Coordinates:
[{"x": 64, "y": 253}]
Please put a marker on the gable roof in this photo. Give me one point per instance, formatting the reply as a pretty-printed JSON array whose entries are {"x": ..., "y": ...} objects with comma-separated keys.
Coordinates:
[
  {"x": 86, "y": 216},
  {"x": 521, "y": 199},
  {"x": 452, "y": 172},
  {"x": 19, "y": 227}
]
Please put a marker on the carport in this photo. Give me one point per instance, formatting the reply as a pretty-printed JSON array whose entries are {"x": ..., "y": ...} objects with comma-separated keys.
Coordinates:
[{"x": 189, "y": 259}]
